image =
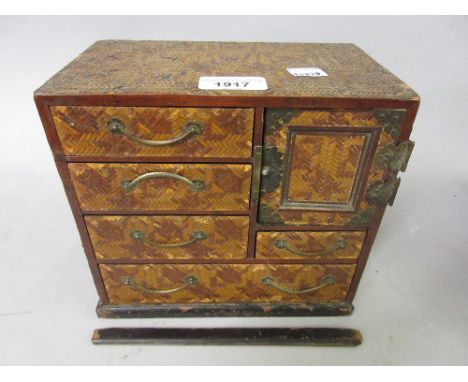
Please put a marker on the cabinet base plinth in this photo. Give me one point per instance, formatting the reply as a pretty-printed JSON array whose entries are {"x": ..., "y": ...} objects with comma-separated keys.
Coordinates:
[{"x": 222, "y": 310}]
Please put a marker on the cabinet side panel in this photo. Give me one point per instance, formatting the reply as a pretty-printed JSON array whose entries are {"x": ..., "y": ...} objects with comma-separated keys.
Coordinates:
[{"x": 46, "y": 118}]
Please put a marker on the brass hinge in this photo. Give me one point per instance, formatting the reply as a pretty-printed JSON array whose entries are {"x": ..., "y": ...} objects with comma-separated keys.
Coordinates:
[
  {"x": 275, "y": 119},
  {"x": 362, "y": 219},
  {"x": 391, "y": 120},
  {"x": 267, "y": 215},
  {"x": 383, "y": 193},
  {"x": 272, "y": 169},
  {"x": 256, "y": 175},
  {"x": 395, "y": 158}
]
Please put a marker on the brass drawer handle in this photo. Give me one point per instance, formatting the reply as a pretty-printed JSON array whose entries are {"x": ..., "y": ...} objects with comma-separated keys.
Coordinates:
[
  {"x": 324, "y": 281},
  {"x": 130, "y": 281},
  {"x": 196, "y": 236},
  {"x": 340, "y": 243},
  {"x": 130, "y": 185},
  {"x": 117, "y": 127}
]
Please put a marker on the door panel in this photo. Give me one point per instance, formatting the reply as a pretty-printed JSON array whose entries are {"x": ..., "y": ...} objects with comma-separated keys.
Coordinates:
[
  {"x": 324, "y": 169},
  {"x": 318, "y": 165}
]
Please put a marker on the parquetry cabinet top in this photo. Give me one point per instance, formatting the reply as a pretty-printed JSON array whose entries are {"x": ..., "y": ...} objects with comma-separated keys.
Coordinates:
[{"x": 173, "y": 68}]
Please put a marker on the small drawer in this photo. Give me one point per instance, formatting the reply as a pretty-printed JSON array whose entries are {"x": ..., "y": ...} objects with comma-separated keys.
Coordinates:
[
  {"x": 168, "y": 237},
  {"x": 309, "y": 245},
  {"x": 154, "y": 131},
  {"x": 161, "y": 187},
  {"x": 216, "y": 283}
]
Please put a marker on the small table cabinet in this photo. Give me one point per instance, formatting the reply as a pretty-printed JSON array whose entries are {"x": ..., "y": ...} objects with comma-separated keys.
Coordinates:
[{"x": 195, "y": 202}]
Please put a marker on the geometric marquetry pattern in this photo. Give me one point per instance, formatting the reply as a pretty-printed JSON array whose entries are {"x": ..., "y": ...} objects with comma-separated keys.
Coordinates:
[
  {"x": 309, "y": 242},
  {"x": 323, "y": 167},
  {"x": 317, "y": 168},
  {"x": 174, "y": 68},
  {"x": 226, "y": 237},
  {"x": 350, "y": 123},
  {"x": 83, "y": 131},
  {"x": 98, "y": 187},
  {"x": 219, "y": 283}
]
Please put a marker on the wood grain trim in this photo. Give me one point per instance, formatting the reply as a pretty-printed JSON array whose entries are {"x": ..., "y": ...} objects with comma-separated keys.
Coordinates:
[
  {"x": 227, "y": 261},
  {"x": 257, "y": 141},
  {"x": 305, "y": 227},
  {"x": 407, "y": 126},
  {"x": 151, "y": 159},
  {"x": 166, "y": 213},
  {"x": 366, "y": 248},
  {"x": 224, "y": 101}
]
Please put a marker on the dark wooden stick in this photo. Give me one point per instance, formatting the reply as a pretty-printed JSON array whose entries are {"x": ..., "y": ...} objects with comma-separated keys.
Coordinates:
[{"x": 228, "y": 336}]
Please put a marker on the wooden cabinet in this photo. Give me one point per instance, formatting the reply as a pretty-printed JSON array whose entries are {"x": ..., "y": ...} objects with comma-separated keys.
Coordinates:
[{"x": 227, "y": 202}]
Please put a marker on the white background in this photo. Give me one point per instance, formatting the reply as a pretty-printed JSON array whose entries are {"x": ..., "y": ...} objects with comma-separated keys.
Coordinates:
[{"x": 412, "y": 302}]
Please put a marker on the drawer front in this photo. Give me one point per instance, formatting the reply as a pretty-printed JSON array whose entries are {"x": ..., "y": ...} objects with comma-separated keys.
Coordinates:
[
  {"x": 214, "y": 283},
  {"x": 168, "y": 237},
  {"x": 161, "y": 187},
  {"x": 305, "y": 245},
  {"x": 154, "y": 131}
]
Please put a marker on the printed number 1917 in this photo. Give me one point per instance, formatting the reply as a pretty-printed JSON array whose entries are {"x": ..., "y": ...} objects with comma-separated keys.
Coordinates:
[{"x": 232, "y": 84}]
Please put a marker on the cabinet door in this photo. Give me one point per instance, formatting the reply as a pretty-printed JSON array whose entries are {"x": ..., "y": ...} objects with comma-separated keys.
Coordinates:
[{"x": 322, "y": 167}]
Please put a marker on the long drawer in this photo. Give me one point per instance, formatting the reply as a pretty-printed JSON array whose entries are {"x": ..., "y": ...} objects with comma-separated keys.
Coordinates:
[
  {"x": 215, "y": 283},
  {"x": 168, "y": 237},
  {"x": 161, "y": 187},
  {"x": 154, "y": 131},
  {"x": 309, "y": 244}
]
